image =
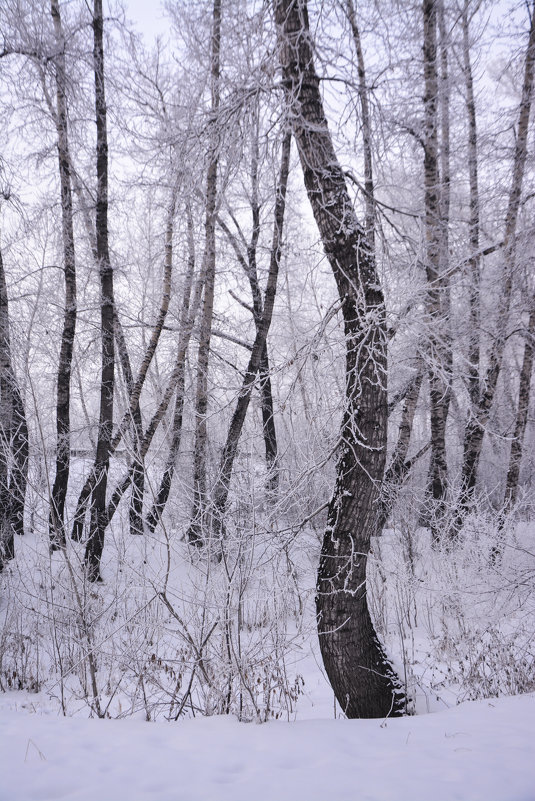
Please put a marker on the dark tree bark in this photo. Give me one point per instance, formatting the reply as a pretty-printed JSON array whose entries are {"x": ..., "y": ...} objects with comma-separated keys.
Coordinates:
[
  {"x": 363, "y": 679},
  {"x": 524, "y": 395},
  {"x": 474, "y": 224},
  {"x": 95, "y": 543},
  {"x": 14, "y": 447},
  {"x": 63, "y": 425},
  {"x": 258, "y": 352},
  {"x": 435, "y": 226},
  {"x": 198, "y": 512},
  {"x": 479, "y": 417},
  {"x": 135, "y": 512}
]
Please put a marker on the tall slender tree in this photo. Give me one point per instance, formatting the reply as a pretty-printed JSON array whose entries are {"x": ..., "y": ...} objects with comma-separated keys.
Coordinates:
[
  {"x": 95, "y": 543},
  {"x": 363, "y": 679}
]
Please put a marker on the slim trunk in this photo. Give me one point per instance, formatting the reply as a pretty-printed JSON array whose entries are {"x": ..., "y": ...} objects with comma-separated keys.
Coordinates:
[
  {"x": 478, "y": 420},
  {"x": 268, "y": 425},
  {"x": 13, "y": 438},
  {"x": 434, "y": 248},
  {"x": 95, "y": 543},
  {"x": 63, "y": 426},
  {"x": 133, "y": 413},
  {"x": 475, "y": 258},
  {"x": 198, "y": 513},
  {"x": 399, "y": 466},
  {"x": 524, "y": 394},
  {"x": 259, "y": 351},
  {"x": 138, "y": 469},
  {"x": 369, "y": 198},
  {"x": 174, "y": 381},
  {"x": 165, "y": 485},
  {"x": 363, "y": 679}
]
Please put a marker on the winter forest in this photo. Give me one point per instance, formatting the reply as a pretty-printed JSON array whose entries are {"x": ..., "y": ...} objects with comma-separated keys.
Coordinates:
[{"x": 267, "y": 320}]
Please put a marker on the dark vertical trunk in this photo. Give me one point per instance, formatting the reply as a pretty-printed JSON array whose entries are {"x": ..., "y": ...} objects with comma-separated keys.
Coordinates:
[
  {"x": 259, "y": 351},
  {"x": 268, "y": 424},
  {"x": 361, "y": 675},
  {"x": 474, "y": 260},
  {"x": 135, "y": 512},
  {"x": 434, "y": 235},
  {"x": 524, "y": 395},
  {"x": 198, "y": 513},
  {"x": 478, "y": 420},
  {"x": 14, "y": 448},
  {"x": 95, "y": 543},
  {"x": 63, "y": 426}
]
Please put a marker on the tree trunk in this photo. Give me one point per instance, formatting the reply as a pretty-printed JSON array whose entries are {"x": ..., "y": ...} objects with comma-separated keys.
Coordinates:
[
  {"x": 95, "y": 543},
  {"x": 524, "y": 394},
  {"x": 478, "y": 420},
  {"x": 14, "y": 448},
  {"x": 63, "y": 425},
  {"x": 165, "y": 485},
  {"x": 400, "y": 466},
  {"x": 474, "y": 261},
  {"x": 434, "y": 248},
  {"x": 198, "y": 513},
  {"x": 259, "y": 351},
  {"x": 363, "y": 679}
]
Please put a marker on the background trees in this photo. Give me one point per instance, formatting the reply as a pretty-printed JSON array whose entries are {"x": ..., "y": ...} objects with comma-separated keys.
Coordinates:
[{"x": 152, "y": 207}]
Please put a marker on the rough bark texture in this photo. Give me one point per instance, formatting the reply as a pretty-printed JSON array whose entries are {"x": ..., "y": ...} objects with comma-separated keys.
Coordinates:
[
  {"x": 358, "y": 669},
  {"x": 436, "y": 289},
  {"x": 475, "y": 258},
  {"x": 63, "y": 425},
  {"x": 198, "y": 513},
  {"x": 95, "y": 543}
]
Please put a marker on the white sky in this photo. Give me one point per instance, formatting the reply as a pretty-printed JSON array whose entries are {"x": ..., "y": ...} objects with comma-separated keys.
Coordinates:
[{"x": 148, "y": 16}]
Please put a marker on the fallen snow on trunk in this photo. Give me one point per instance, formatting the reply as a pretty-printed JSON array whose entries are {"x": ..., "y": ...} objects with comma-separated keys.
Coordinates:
[{"x": 478, "y": 750}]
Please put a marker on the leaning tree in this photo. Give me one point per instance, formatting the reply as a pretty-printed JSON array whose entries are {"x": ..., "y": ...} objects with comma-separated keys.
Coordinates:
[{"x": 363, "y": 679}]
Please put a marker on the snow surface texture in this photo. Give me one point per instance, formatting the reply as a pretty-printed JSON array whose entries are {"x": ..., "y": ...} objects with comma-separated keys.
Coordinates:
[{"x": 478, "y": 751}]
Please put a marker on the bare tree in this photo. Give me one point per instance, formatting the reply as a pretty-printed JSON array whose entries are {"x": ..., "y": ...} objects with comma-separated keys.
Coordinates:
[
  {"x": 14, "y": 448},
  {"x": 63, "y": 426},
  {"x": 198, "y": 512},
  {"x": 363, "y": 679},
  {"x": 479, "y": 416},
  {"x": 95, "y": 543}
]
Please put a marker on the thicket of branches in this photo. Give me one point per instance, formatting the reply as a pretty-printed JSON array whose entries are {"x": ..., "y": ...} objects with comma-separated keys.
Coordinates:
[{"x": 267, "y": 308}]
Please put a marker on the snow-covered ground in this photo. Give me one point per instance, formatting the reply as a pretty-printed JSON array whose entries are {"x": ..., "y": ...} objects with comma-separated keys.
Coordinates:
[{"x": 478, "y": 751}]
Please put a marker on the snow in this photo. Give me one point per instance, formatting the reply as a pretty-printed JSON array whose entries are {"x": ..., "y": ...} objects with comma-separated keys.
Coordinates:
[{"x": 477, "y": 751}]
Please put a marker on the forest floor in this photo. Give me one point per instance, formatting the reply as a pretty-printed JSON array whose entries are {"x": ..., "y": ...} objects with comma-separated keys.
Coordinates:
[{"x": 479, "y": 750}]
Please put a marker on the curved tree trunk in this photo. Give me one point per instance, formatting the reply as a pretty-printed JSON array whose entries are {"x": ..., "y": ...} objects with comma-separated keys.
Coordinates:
[{"x": 363, "y": 679}]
